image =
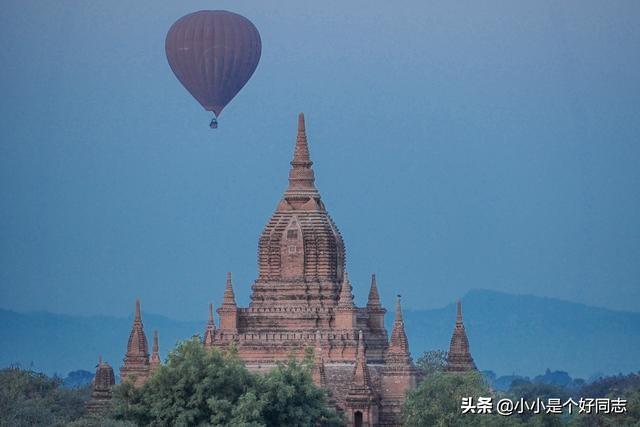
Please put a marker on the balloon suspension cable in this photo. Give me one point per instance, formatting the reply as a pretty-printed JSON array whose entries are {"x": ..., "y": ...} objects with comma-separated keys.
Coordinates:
[{"x": 214, "y": 123}]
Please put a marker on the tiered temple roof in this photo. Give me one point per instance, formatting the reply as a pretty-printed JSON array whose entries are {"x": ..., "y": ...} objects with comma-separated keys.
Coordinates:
[
  {"x": 136, "y": 366},
  {"x": 459, "y": 358},
  {"x": 300, "y": 244},
  {"x": 399, "y": 346},
  {"x": 103, "y": 381},
  {"x": 303, "y": 298}
]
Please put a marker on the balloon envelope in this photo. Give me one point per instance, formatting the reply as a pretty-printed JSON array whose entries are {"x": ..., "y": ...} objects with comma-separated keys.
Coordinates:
[{"x": 213, "y": 54}]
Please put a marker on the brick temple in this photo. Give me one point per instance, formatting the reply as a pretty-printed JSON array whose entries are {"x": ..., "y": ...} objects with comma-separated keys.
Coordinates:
[
  {"x": 459, "y": 357},
  {"x": 303, "y": 299}
]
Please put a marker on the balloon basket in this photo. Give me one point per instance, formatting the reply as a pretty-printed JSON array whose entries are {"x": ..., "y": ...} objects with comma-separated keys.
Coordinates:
[{"x": 213, "y": 124}]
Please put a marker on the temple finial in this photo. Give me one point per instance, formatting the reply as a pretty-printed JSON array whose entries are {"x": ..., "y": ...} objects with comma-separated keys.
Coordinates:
[
  {"x": 136, "y": 359},
  {"x": 301, "y": 177},
  {"x": 301, "y": 153},
  {"x": 229, "y": 298},
  {"x": 399, "y": 345},
  {"x": 360, "y": 380},
  {"x": 100, "y": 360},
  {"x": 398, "y": 309},
  {"x": 459, "y": 357},
  {"x": 209, "y": 333},
  {"x": 346, "y": 297},
  {"x": 374, "y": 298},
  {"x": 154, "y": 360}
]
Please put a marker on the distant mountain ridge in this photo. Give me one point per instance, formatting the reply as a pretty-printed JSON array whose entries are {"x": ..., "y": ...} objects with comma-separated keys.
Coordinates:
[
  {"x": 507, "y": 333},
  {"x": 56, "y": 343},
  {"x": 525, "y": 334}
]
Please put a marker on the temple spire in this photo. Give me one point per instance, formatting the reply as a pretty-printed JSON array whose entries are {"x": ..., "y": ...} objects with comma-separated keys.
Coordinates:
[
  {"x": 374, "y": 299},
  {"x": 137, "y": 345},
  {"x": 346, "y": 297},
  {"x": 228, "y": 311},
  {"x": 399, "y": 311},
  {"x": 136, "y": 359},
  {"x": 301, "y": 155},
  {"x": 138, "y": 317},
  {"x": 154, "y": 361},
  {"x": 361, "y": 380},
  {"x": 209, "y": 334},
  {"x": 399, "y": 345},
  {"x": 301, "y": 177},
  {"x": 459, "y": 357},
  {"x": 229, "y": 298},
  {"x": 345, "y": 312},
  {"x": 362, "y": 398}
]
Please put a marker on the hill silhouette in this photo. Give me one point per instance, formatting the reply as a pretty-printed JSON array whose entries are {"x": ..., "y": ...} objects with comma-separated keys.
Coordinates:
[
  {"x": 525, "y": 334},
  {"x": 508, "y": 334}
]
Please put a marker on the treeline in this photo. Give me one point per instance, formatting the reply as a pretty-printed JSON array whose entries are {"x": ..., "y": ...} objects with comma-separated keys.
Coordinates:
[
  {"x": 438, "y": 400},
  {"x": 196, "y": 387},
  {"x": 200, "y": 387},
  {"x": 29, "y": 398}
]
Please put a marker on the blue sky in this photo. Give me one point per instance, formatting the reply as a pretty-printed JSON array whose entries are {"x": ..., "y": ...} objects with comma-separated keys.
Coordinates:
[{"x": 456, "y": 145}]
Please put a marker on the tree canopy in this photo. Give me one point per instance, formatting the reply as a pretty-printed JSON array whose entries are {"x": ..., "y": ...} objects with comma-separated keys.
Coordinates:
[
  {"x": 29, "y": 398},
  {"x": 200, "y": 387},
  {"x": 436, "y": 401}
]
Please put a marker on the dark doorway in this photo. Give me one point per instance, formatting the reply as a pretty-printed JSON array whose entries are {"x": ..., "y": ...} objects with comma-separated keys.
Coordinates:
[{"x": 357, "y": 419}]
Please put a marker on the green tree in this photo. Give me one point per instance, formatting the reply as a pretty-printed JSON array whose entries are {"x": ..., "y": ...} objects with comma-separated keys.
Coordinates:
[
  {"x": 30, "y": 398},
  {"x": 207, "y": 387},
  {"x": 432, "y": 361},
  {"x": 524, "y": 389},
  {"x": 437, "y": 402},
  {"x": 625, "y": 387},
  {"x": 195, "y": 387},
  {"x": 287, "y": 396}
]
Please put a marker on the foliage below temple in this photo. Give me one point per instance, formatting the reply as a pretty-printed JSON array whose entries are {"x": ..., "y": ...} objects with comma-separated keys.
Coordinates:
[
  {"x": 206, "y": 387},
  {"x": 218, "y": 386},
  {"x": 437, "y": 400}
]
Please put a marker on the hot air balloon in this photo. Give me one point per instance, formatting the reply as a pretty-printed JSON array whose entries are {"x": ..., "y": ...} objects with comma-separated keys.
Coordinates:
[{"x": 213, "y": 53}]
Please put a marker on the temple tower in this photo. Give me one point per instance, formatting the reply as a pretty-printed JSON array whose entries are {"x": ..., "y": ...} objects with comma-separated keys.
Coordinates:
[
  {"x": 303, "y": 298},
  {"x": 374, "y": 307},
  {"x": 459, "y": 358},
  {"x": 136, "y": 360},
  {"x": 154, "y": 360},
  {"x": 103, "y": 381},
  {"x": 209, "y": 333},
  {"x": 300, "y": 252},
  {"x": 362, "y": 402},
  {"x": 400, "y": 374},
  {"x": 228, "y": 312},
  {"x": 345, "y": 312}
]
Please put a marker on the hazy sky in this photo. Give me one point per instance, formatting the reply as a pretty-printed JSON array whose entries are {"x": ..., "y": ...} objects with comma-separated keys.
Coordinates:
[{"x": 457, "y": 145}]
